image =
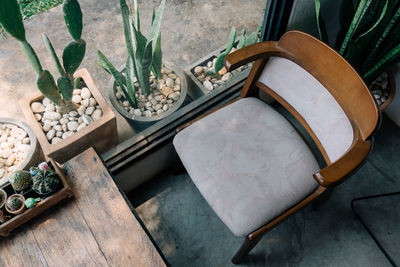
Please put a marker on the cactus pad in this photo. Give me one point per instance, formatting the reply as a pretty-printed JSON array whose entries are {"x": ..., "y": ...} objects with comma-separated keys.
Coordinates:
[
  {"x": 20, "y": 180},
  {"x": 73, "y": 18},
  {"x": 11, "y": 19},
  {"x": 73, "y": 55}
]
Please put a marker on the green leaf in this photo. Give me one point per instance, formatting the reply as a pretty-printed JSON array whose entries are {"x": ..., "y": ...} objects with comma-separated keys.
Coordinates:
[
  {"x": 137, "y": 17},
  {"x": 77, "y": 82},
  {"x": 66, "y": 87},
  {"x": 143, "y": 65},
  {"x": 73, "y": 18},
  {"x": 11, "y": 19},
  {"x": 129, "y": 80},
  {"x": 346, "y": 15},
  {"x": 126, "y": 19},
  {"x": 157, "y": 57},
  {"x": 251, "y": 39},
  {"x": 355, "y": 24},
  {"x": 389, "y": 33},
  {"x": 219, "y": 64},
  {"x": 387, "y": 60},
  {"x": 156, "y": 25},
  {"x": 212, "y": 74},
  {"x": 323, "y": 36},
  {"x": 119, "y": 78},
  {"x": 241, "y": 39},
  {"x": 231, "y": 40},
  {"x": 53, "y": 54},
  {"x": 73, "y": 55},
  {"x": 46, "y": 84},
  {"x": 31, "y": 56}
]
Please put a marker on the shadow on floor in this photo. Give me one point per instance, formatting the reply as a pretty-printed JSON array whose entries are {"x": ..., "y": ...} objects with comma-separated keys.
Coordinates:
[{"x": 190, "y": 234}]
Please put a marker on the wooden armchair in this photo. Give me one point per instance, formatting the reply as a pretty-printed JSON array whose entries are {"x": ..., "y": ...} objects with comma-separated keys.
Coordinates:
[{"x": 249, "y": 162}]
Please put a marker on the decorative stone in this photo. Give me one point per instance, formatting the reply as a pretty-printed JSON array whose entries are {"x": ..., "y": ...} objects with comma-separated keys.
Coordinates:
[
  {"x": 67, "y": 134},
  {"x": 59, "y": 134},
  {"x": 85, "y": 93},
  {"x": 50, "y": 107},
  {"x": 38, "y": 117},
  {"x": 160, "y": 111},
  {"x": 46, "y": 127},
  {"x": 64, "y": 121},
  {"x": 85, "y": 102},
  {"x": 72, "y": 126},
  {"x": 51, "y": 115},
  {"x": 26, "y": 140},
  {"x": 64, "y": 127},
  {"x": 73, "y": 113},
  {"x": 147, "y": 113},
  {"x": 55, "y": 140},
  {"x": 81, "y": 110},
  {"x": 173, "y": 96},
  {"x": 46, "y": 101},
  {"x": 87, "y": 119},
  {"x": 170, "y": 82},
  {"x": 80, "y": 120},
  {"x": 125, "y": 104},
  {"x": 226, "y": 77},
  {"x": 92, "y": 102},
  {"x": 165, "y": 107},
  {"x": 51, "y": 134},
  {"x": 198, "y": 70},
  {"x": 37, "y": 107},
  {"x": 73, "y": 118},
  {"x": 208, "y": 85},
  {"x": 76, "y": 92},
  {"x": 89, "y": 111},
  {"x": 76, "y": 99},
  {"x": 118, "y": 95},
  {"x": 137, "y": 112},
  {"x": 97, "y": 114},
  {"x": 81, "y": 126}
]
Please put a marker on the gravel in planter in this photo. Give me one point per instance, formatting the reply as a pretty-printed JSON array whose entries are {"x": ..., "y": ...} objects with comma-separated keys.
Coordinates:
[
  {"x": 14, "y": 147},
  {"x": 210, "y": 82},
  {"x": 57, "y": 125},
  {"x": 164, "y": 94},
  {"x": 380, "y": 88}
]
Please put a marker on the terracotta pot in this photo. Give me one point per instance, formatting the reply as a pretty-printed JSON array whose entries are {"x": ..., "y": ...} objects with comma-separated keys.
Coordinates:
[
  {"x": 101, "y": 134},
  {"x": 21, "y": 209},
  {"x": 392, "y": 85},
  {"x": 143, "y": 122},
  {"x": 35, "y": 154}
]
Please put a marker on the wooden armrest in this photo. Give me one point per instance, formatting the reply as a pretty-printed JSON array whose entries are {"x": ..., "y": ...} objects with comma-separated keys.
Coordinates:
[
  {"x": 343, "y": 167},
  {"x": 253, "y": 52}
]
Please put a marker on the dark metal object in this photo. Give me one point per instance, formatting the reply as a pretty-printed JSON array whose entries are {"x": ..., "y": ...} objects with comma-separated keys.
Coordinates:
[
  {"x": 276, "y": 17},
  {"x": 367, "y": 228}
]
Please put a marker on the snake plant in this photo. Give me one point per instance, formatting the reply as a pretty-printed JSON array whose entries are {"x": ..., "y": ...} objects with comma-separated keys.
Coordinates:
[
  {"x": 144, "y": 54},
  {"x": 369, "y": 37},
  {"x": 243, "y": 42},
  {"x": 59, "y": 93}
]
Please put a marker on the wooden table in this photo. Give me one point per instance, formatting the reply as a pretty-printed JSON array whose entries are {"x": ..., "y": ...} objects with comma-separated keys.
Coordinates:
[{"x": 95, "y": 228}]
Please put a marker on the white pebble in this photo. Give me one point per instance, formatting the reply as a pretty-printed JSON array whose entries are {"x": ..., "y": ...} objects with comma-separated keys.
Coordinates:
[
  {"x": 51, "y": 134},
  {"x": 97, "y": 114},
  {"x": 37, "y": 107},
  {"x": 51, "y": 115},
  {"x": 64, "y": 121},
  {"x": 67, "y": 134},
  {"x": 72, "y": 126},
  {"x": 55, "y": 140},
  {"x": 73, "y": 113},
  {"x": 76, "y": 92},
  {"x": 208, "y": 85},
  {"x": 59, "y": 134},
  {"x": 118, "y": 95},
  {"x": 57, "y": 127},
  {"x": 92, "y": 102},
  {"x": 198, "y": 70},
  {"x": 46, "y": 127},
  {"x": 81, "y": 110},
  {"x": 85, "y": 93},
  {"x": 81, "y": 126},
  {"x": 137, "y": 112},
  {"x": 85, "y": 102},
  {"x": 11, "y": 160},
  {"x": 76, "y": 99},
  {"x": 26, "y": 140},
  {"x": 46, "y": 101},
  {"x": 170, "y": 82},
  {"x": 147, "y": 113},
  {"x": 38, "y": 117},
  {"x": 89, "y": 111},
  {"x": 86, "y": 119},
  {"x": 50, "y": 107}
]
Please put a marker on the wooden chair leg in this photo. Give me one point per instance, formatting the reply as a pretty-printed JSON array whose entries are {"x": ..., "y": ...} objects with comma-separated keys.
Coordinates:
[{"x": 245, "y": 249}]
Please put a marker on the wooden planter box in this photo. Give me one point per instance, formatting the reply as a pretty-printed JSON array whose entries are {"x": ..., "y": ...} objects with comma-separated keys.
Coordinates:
[
  {"x": 237, "y": 76},
  {"x": 17, "y": 220},
  {"x": 101, "y": 134}
]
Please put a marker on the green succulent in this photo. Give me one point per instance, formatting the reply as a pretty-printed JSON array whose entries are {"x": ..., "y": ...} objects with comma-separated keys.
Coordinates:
[
  {"x": 369, "y": 37},
  {"x": 44, "y": 181},
  {"x": 60, "y": 92},
  {"x": 14, "y": 203},
  {"x": 20, "y": 180},
  {"x": 144, "y": 54}
]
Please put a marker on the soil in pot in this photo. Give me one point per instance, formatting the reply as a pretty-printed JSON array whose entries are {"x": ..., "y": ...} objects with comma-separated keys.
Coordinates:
[
  {"x": 212, "y": 82},
  {"x": 165, "y": 93},
  {"x": 14, "y": 148},
  {"x": 58, "y": 125}
]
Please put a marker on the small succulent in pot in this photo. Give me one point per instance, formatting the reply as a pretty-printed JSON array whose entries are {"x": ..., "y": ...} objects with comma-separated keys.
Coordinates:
[
  {"x": 15, "y": 204},
  {"x": 61, "y": 93},
  {"x": 20, "y": 180},
  {"x": 45, "y": 180},
  {"x": 3, "y": 198}
]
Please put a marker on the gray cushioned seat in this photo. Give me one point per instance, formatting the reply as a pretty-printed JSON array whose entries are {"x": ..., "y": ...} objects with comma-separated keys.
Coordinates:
[{"x": 248, "y": 162}]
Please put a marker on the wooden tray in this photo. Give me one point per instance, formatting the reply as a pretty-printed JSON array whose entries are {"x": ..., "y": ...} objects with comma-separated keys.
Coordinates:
[{"x": 49, "y": 201}]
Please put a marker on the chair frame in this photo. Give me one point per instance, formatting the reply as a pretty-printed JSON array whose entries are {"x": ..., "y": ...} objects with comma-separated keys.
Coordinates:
[{"x": 330, "y": 69}]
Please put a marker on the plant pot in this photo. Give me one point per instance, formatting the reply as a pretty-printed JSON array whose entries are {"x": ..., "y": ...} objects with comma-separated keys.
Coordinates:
[
  {"x": 20, "y": 209},
  {"x": 237, "y": 76},
  {"x": 35, "y": 154},
  {"x": 3, "y": 198},
  {"x": 101, "y": 134},
  {"x": 141, "y": 122},
  {"x": 392, "y": 85}
]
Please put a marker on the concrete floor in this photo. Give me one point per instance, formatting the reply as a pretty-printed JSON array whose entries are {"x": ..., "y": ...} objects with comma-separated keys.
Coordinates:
[
  {"x": 191, "y": 29},
  {"x": 190, "y": 234}
]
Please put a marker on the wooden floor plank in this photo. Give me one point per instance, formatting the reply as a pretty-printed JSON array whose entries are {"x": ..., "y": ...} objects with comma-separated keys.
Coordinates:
[{"x": 117, "y": 232}]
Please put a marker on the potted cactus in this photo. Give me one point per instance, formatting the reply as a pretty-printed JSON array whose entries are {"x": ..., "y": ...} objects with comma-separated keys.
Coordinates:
[
  {"x": 209, "y": 73},
  {"x": 71, "y": 110},
  {"x": 369, "y": 40},
  {"x": 146, "y": 89}
]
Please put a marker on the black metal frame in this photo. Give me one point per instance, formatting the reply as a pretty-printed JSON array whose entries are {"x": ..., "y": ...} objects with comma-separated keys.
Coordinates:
[
  {"x": 365, "y": 225},
  {"x": 276, "y": 17}
]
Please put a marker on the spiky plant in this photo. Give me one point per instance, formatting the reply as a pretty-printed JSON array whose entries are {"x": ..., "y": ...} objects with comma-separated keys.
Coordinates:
[
  {"x": 60, "y": 93},
  {"x": 369, "y": 37},
  {"x": 243, "y": 42},
  {"x": 144, "y": 54}
]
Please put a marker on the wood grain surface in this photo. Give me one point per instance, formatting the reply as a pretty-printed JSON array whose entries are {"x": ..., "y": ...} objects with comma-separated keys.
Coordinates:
[{"x": 96, "y": 228}]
